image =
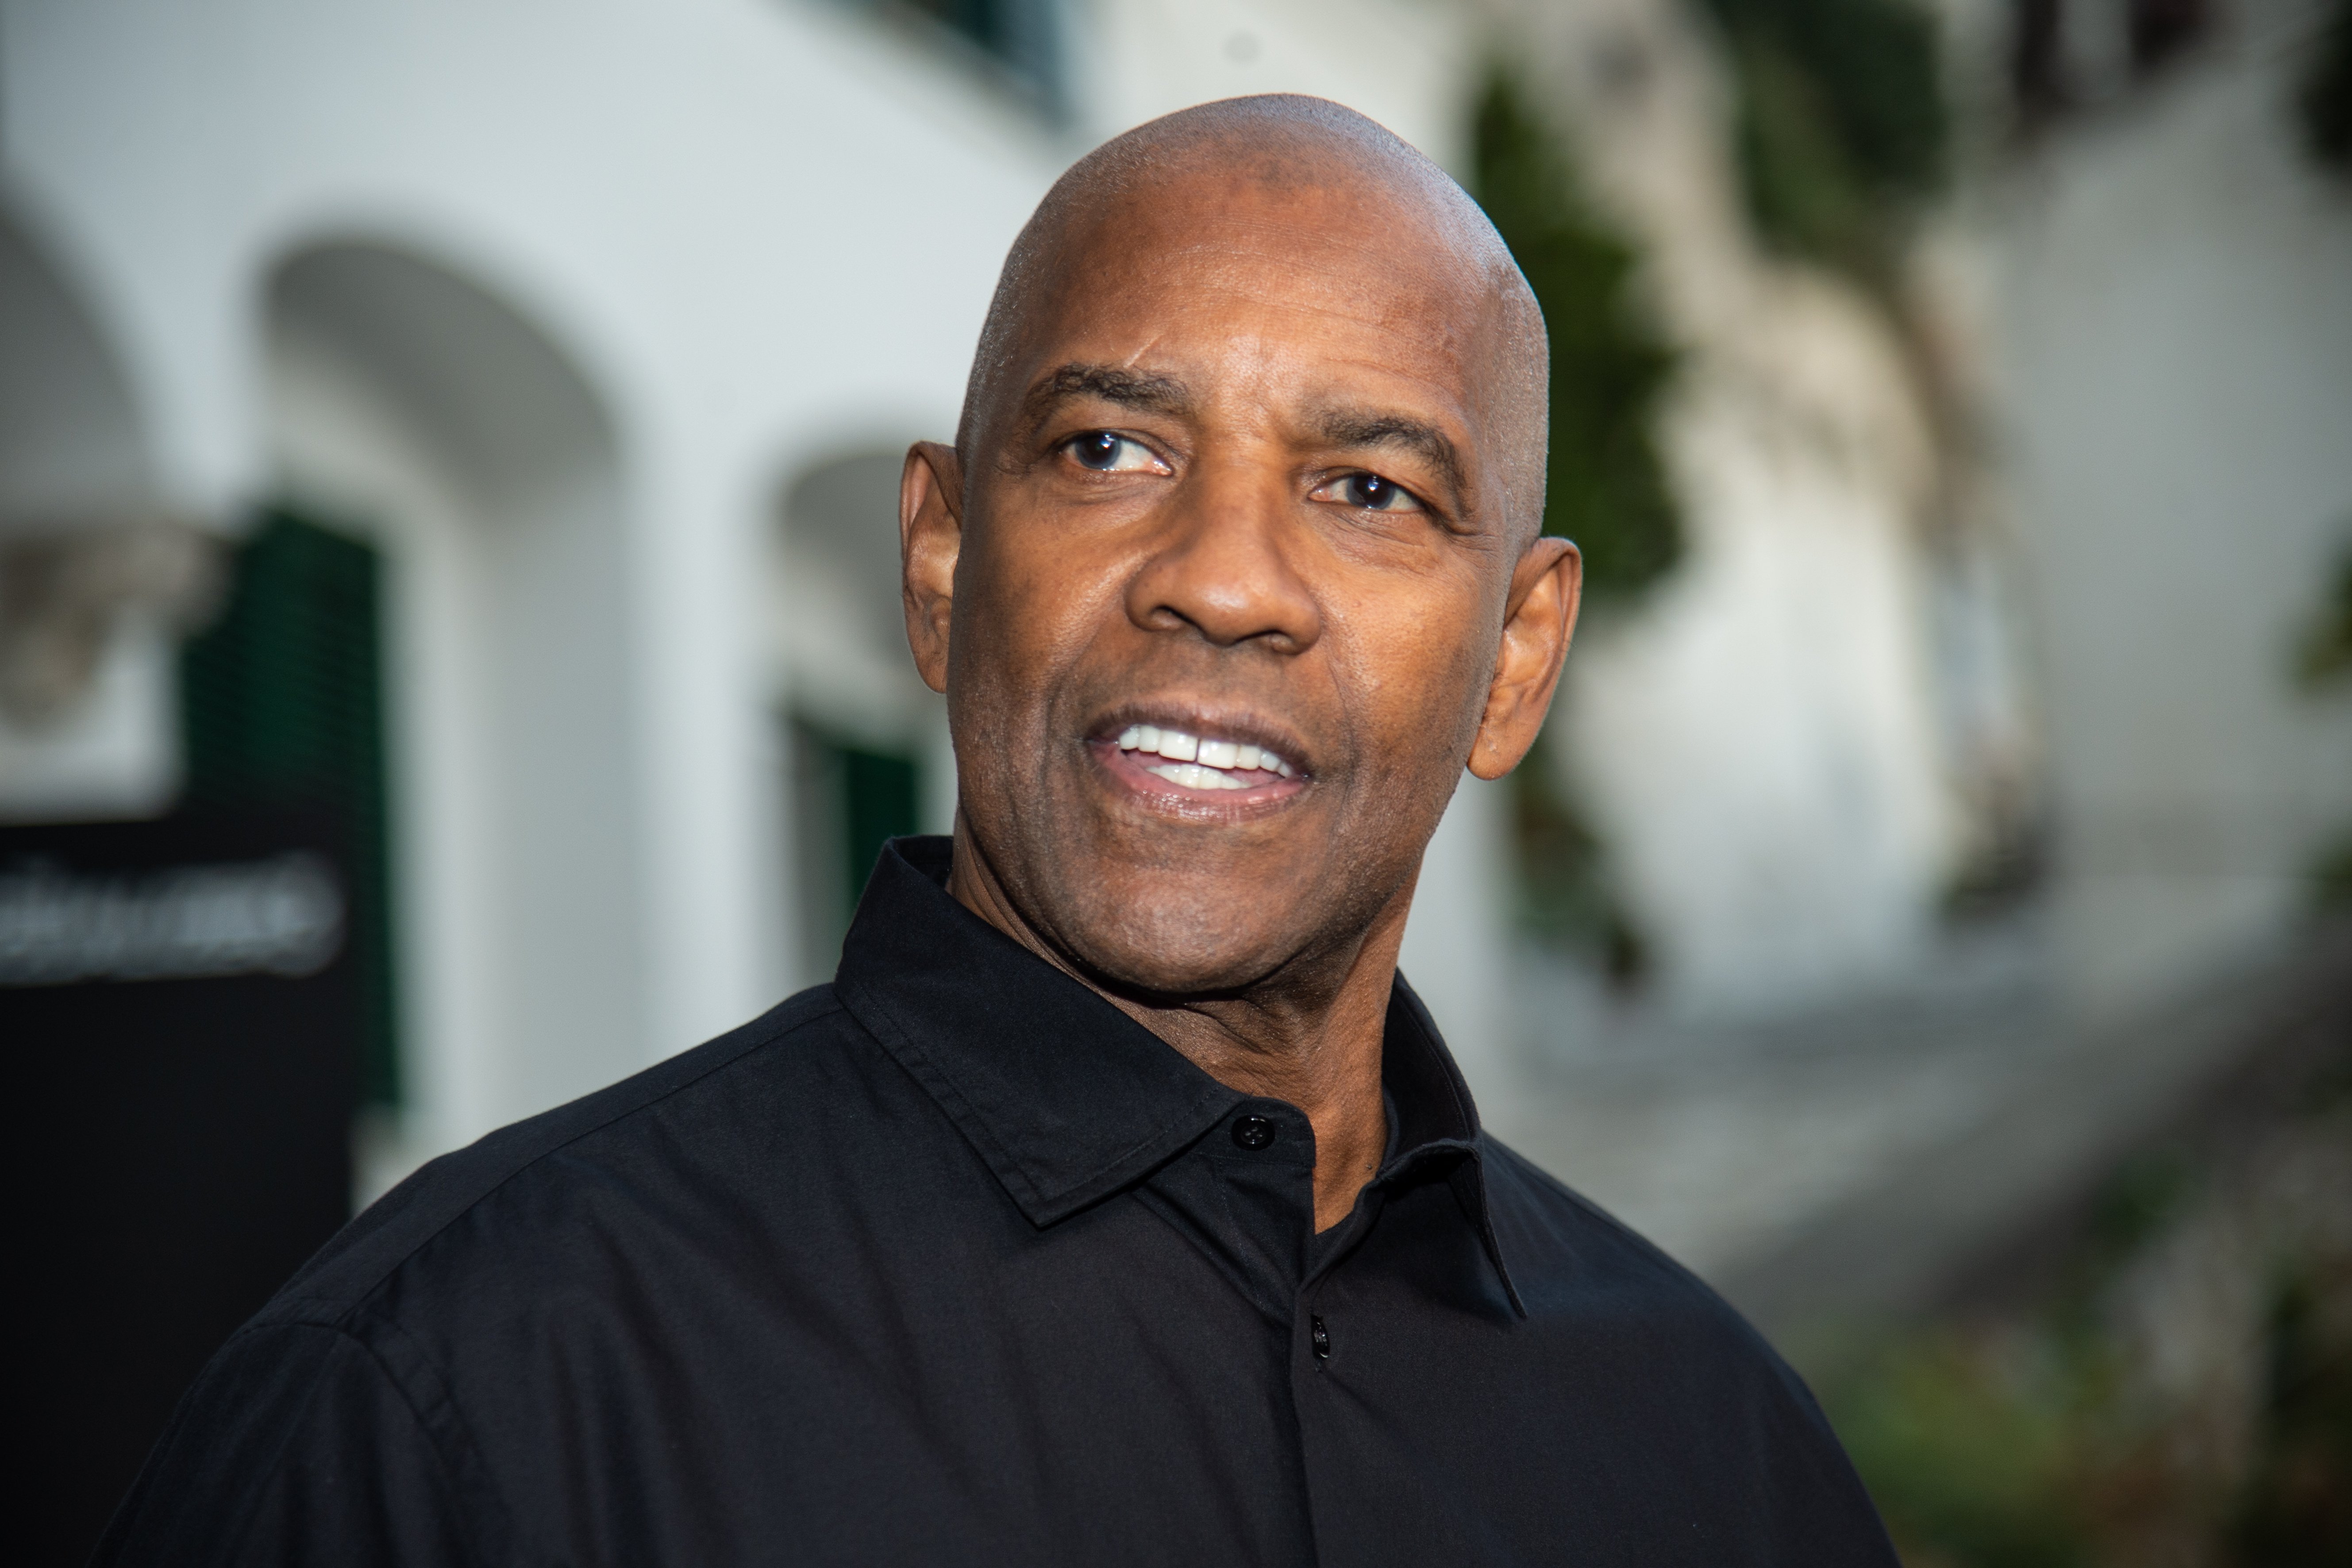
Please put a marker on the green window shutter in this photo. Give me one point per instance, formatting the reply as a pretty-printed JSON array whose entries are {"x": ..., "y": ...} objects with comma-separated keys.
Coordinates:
[
  {"x": 282, "y": 709},
  {"x": 881, "y": 794},
  {"x": 848, "y": 800}
]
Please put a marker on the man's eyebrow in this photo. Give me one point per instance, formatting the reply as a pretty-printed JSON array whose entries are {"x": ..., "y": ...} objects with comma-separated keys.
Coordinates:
[
  {"x": 1112, "y": 383},
  {"x": 1348, "y": 427}
]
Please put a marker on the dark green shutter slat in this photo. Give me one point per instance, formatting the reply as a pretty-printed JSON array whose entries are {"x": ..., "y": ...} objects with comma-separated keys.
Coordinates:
[{"x": 282, "y": 709}]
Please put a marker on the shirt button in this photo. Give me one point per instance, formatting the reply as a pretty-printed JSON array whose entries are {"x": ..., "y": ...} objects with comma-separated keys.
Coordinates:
[{"x": 1252, "y": 1131}]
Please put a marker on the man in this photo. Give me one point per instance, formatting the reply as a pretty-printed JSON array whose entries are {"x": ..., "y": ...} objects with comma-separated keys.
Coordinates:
[{"x": 1118, "y": 1203}]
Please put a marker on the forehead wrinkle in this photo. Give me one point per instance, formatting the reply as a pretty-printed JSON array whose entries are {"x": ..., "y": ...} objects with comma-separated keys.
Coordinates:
[
  {"x": 1447, "y": 309},
  {"x": 1112, "y": 383},
  {"x": 1419, "y": 324},
  {"x": 1364, "y": 272}
]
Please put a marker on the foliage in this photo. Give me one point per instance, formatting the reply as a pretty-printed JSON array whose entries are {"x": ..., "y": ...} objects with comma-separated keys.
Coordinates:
[
  {"x": 2326, "y": 102},
  {"x": 2331, "y": 876},
  {"x": 2037, "y": 1439},
  {"x": 2034, "y": 1449},
  {"x": 1971, "y": 1461},
  {"x": 1564, "y": 894},
  {"x": 1842, "y": 128},
  {"x": 2296, "y": 1506},
  {"x": 2326, "y": 654},
  {"x": 1604, "y": 486}
]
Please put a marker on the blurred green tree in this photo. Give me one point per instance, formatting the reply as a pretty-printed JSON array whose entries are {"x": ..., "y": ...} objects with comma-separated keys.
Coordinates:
[
  {"x": 1842, "y": 133},
  {"x": 2039, "y": 1428},
  {"x": 2324, "y": 657},
  {"x": 2324, "y": 662},
  {"x": 1604, "y": 485},
  {"x": 2326, "y": 101}
]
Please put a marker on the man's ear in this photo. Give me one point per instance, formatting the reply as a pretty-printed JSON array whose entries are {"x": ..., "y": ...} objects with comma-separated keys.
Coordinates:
[
  {"x": 1538, "y": 621},
  {"x": 930, "y": 536}
]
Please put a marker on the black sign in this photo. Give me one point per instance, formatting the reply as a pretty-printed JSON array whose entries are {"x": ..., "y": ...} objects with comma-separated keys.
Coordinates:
[{"x": 179, "y": 1016}]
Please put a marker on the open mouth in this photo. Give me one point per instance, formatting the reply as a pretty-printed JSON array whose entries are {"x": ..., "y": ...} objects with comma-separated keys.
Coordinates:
[{"x": 1204, "y": 766}]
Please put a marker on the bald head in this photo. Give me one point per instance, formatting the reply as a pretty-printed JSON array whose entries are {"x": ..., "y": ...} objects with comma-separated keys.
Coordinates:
[
  {"x": 1189, "y": 171},
  {"x": 1237, "y": 568}
]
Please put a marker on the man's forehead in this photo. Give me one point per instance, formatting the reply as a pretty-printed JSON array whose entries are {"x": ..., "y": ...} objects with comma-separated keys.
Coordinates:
[
  {"x": 1284, "y": 284},
  {"x": 1217, "y": 226}
]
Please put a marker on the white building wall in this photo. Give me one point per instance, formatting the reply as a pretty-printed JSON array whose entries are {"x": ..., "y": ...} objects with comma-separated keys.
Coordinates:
[
  {"x": 1756, "y": 742},
  {"x": 761, "y": 233},
  {"x": 2175, "y": 287},
  {"x": 668, "y": 188},
  {"x": 74, "y": 464},
  {"x": 1408, "y": 65}
]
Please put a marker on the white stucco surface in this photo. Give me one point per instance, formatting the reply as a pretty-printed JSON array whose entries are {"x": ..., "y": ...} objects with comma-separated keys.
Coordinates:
[
  {"x": 752, "y": 237},
  {"x": 2176, "y": 353}
]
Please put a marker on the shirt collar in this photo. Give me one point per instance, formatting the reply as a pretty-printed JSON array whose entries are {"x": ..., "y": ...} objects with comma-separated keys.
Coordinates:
[{"x": 1067, "y": 1098}]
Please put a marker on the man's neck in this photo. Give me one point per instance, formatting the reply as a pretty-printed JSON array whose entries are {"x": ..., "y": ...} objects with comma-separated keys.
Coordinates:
[{"x": 1311, "y": 1040}]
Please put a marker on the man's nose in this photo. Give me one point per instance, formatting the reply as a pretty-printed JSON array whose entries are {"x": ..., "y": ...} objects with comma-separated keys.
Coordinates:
[{"x": 1227, "y": 565}]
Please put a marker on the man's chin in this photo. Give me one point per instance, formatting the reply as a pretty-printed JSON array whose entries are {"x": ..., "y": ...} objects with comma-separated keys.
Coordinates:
[{"x": 1168, "y": 954}]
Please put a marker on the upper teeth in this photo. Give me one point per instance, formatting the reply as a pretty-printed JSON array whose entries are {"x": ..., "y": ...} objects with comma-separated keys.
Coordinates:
[{"x": 1198, "y": 763}]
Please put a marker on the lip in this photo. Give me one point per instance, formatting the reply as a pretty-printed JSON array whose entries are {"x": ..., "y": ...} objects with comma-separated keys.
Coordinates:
[{"x": 1132, "y": 777}]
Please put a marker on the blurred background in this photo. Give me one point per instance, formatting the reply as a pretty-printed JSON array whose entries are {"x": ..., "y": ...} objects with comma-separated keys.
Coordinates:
[{"x": 450, "y": 653}]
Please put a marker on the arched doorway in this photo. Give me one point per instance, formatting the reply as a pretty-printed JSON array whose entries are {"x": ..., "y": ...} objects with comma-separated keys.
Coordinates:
[
  {"x": 431, "y": 417},
  {"x": 867, "y": 741},
  {"x": 92, "y": 576}
]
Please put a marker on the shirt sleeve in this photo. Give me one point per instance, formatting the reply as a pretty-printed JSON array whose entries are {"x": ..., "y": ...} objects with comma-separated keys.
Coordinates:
[{"x": 296, "y": 1445}]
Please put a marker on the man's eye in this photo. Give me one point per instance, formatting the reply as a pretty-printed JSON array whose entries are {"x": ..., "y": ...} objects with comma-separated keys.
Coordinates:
[
  {"x": 1107, "y": 453},
  {"x": 1371, "y": 492}
]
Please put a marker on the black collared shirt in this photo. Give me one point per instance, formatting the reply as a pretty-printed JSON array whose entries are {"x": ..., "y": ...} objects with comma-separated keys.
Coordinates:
[{"x": 951, "y": 1262}]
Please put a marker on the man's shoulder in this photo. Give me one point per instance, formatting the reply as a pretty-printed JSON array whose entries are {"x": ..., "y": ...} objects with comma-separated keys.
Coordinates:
[
  {"x": 1639, "y": 1348},
  {"x": 523, "y": 1172},
  {"x": 1568, "y": 1256},
  {"x": 1618, "y": 1317}
]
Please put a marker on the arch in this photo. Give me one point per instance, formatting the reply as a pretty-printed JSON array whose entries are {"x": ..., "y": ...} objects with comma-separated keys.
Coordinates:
[
  {"x": 844, "y": 641},
  {"x": 72, "y": 452},
  {"x": 866, "y": 741},
  {"x": 429, "y": 411},
  {"x": 505, "y": 408},
  {"x": 90, "y": 579}
]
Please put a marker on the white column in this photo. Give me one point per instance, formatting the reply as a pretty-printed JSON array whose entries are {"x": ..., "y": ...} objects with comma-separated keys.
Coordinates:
[
  {"x": 710, "y": 847},
  {"x": 1457, "y": 944}
]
